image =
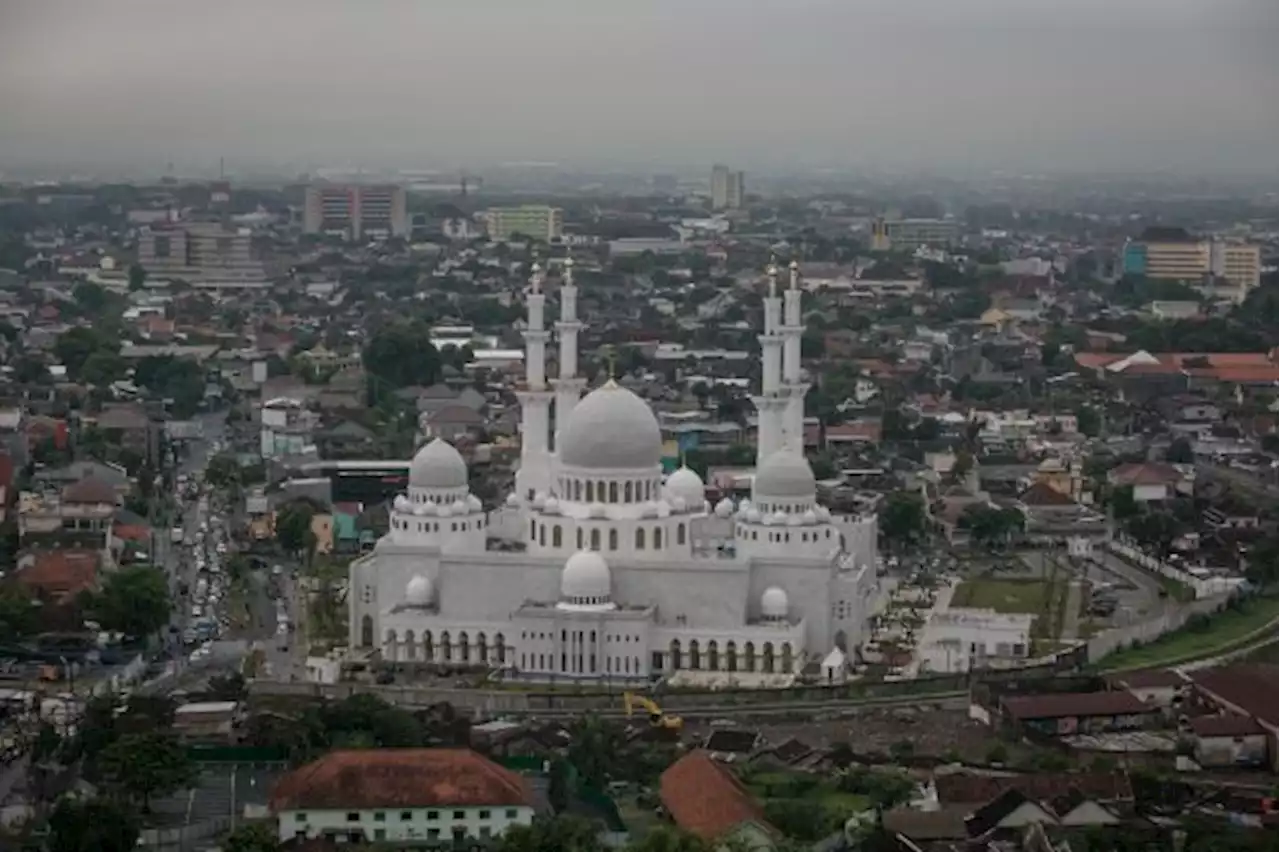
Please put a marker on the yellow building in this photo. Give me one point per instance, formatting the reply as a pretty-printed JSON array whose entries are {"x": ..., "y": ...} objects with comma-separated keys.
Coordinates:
[
  {"x": 1241, "y": 264},
  {"x": 531, "y": 221},
  {"x": 1179, "y": 261}
]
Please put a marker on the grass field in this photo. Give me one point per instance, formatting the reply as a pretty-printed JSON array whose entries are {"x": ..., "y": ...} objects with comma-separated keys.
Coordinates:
[
  {"x": 1028, "y": 596},
  {"x": 781, "y": 786},
  {"x": 1219, "y": 635}
]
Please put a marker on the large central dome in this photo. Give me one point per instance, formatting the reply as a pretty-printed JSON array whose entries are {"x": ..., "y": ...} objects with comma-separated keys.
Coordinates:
[{"x": 611, "y": 429}]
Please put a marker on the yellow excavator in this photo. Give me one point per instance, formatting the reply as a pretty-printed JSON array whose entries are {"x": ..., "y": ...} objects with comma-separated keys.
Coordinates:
[{"x": 657, "y": 718}]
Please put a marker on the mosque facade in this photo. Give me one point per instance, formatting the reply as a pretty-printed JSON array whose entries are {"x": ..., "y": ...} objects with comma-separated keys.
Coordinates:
[{"x": 617, "y": 572}]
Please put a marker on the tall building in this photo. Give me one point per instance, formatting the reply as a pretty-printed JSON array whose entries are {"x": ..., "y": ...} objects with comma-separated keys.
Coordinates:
[
  {"x": 531, "y": 220},
  {"x": 1175, "y": 255},
  {"x": 356, "y": 210},
  {"x": 623, "y": 575},
  {"x": 728, "y": 188},
  {"x": 202, "y": 253}
]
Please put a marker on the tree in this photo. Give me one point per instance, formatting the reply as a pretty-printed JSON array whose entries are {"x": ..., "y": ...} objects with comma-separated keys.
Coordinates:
[
  {"x": 400, "y": 355},
  {"x": 222, "y": 471},
  {"x": 1261, "y": 562},
  {"x": 902, "y": 519},
  {"x": 228, "y": 687},
  {"x": 102, "y": 368},
  {"x": 293, "y": 526},
  {"x": 667, "y": 838},
  {"x": 991, "y": 526},
  {"x": 145, "y": 765},
  {"x": 133, "y": 601},
  {"x": 19, "y": 612},
  {"x": 91, "y": 296},
  {"x": 1180, "y": 452},
  {"x": 92, "y": 825},
  {"x": 556, "y": 834},
  {"x": 137, "y": 277},
  {"x": 1123, "y": 504},
  {"x": 1088, "y": 421},
  {"x": 180, "y": 380},
  {"x": 255, "y": 837},
  {"x": 1156, "y": 530},
  {"x": 75, "y": 345}
]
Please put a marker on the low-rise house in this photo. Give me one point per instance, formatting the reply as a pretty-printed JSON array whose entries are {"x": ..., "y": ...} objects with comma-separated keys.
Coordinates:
[
  {"x": 1152, "y": 482},
  {"x": 1070, "y": 713},
  {"x": 451, "y": 422},
  {"x": 1245, "y": 689},
  {"x": 1229, "y": 739},
  {"x": 58, "y": 576},
  {"x": 1163, "y": 688},
  {"x": 401, "y": 796},
  {"x": 206, "y": 720},
  {"x": 705, "y": 798}
]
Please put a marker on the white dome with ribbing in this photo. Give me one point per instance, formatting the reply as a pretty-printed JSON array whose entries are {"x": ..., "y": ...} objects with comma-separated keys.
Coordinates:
[
  {"x": 774, "y": 604},
  {"x": 611, "y": 429},
  {"x": 683, "y": 484},
  {"x": 418, "y": 591},
  {"x": 438, "y": 466},
  {"x": 785, "y": 475},
  {"x": 586, "y": 581}
]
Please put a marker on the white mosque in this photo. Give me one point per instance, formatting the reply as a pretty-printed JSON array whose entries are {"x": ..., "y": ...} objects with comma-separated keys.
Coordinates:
[{"x": 624, "y": 575}]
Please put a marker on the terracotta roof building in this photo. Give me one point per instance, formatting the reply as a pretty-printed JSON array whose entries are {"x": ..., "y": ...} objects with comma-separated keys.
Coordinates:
[
  {"x": 60, "y": 575},
  {"x": 401, "y": 795},
  {"x": 1066, "y": 713},
  {"x": 706, "y": 799}
]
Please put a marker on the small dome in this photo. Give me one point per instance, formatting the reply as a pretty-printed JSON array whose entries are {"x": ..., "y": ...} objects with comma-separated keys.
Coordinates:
[
  {"x": 678, "y": 504},
  {"x": 473, "y": 503},
  {"x": 585, "y": 579},
  {"x": 421, "y": 509},
  {"x": 753, "y": 516},
  {"x": 401, "y": 503},
  {"x": 438, "y": 465},
  {"x": 664, "y": 509},
  {"x": 551, "y": 506},
  {"x": 780, "y": 518},
  {"x": 513, "y": 500},
  {"x": 724, "y": 508},
  {"x": 794, "y": 520},
  {"x": 445, "y": 511},
  {"x": 649, "y": 509},
  {"x": 418, "y": 592},
  {"x": 810, "y": 517},
  {"x": 685, "y": 484},
  {"x": 539, "y": 500},
  {"x": 785, "y": 474},
  {"x": 611, "y": 429},
  {"x": 460, "y": 507},
  {"x": 774, "y": 604},
  {"x": 824, "y": 514}
]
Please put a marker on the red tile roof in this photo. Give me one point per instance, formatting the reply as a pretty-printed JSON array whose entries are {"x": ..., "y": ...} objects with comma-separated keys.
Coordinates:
[
  {"x": 1234, "y": 367},
  {"x": 89, "y": 490},
  {"x": 1145, "y": 473},
  {"x": 61, "y": 574},
  {"x": 1043, "y": 494},
  {"x": 1148, "y": 679},
  {"x": 1226, "y": 725},
  {"x": 400, "y": 778},
  {"x": 705, "y": 798},
  {"x": 964, "y": 787},
  {"x": 1061, "y": 705},
  {"x": 1249, "y": 688}
]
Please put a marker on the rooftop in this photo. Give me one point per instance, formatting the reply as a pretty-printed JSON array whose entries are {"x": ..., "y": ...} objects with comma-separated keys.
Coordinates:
[
  {"x": 1063, "y": 704},
  {"x": 705, "y": 798}
]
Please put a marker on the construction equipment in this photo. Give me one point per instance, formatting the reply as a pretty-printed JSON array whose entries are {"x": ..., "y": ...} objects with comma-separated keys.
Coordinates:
[{"x": 657, "y": 718}]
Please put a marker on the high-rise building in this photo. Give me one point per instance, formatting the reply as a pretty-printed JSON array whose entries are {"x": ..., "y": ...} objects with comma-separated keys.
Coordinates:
[
  {"x": 356, "y": 210},
  {"x": 534, "y": 221},
  {"x": 201, "y": 253},
  {"x": 1173, "y": 254},
  {"x": 728, "y": 188}
]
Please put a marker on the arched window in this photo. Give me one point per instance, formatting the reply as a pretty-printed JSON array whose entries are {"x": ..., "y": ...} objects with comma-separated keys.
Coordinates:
[
  {"x": 613, "y": 492},
  {"x": 533, "y": 530},
  {"x": 446, "y": 649},
  {"x": 613, "y": 539},
  {"x": 557, "y": 538},
  {"x": 410, "y": 649},
  {"x": 389, "y": 647},
  {"x": 731, "y": 656},
  {"x": 579, "y": 538},
  {"x": 366, "y": 632},
  {"x": 657, "y": 538},
  {"x": 482, "y": 648},
  {"x": 428, "y": 649},
  {"x": 464, "y": 651},
  {"x": 786, "y": 658},
  {"x": 595, "y": 539},
  {"x": 749, "y": 656},
  {"x": 500, "y": 647},
  {"x": 713, "y": 656},
  {"x": 577, "y": 489},
  {"x": 626, "y": 493},
  {"x": 591, "y": 491},
  {"x": 542, "y": 535},
  {"x": 695, "y": 658},
  {"x": 674, "y": 654},
  {"x": 639, "y": 538},
  {"x": 679, "y": 533},
  {"x": 767, "y": 658}
]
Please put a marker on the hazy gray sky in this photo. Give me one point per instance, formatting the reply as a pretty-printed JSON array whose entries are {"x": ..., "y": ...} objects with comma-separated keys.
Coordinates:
[{"x": 1072, "y": 84}]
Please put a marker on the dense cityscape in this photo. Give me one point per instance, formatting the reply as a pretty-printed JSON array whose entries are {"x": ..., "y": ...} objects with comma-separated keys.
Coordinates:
[{"x": 529, "y": 506}]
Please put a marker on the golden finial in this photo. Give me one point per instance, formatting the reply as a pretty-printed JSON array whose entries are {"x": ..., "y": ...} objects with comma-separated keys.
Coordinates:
[{"x": 611, "y": 359}]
